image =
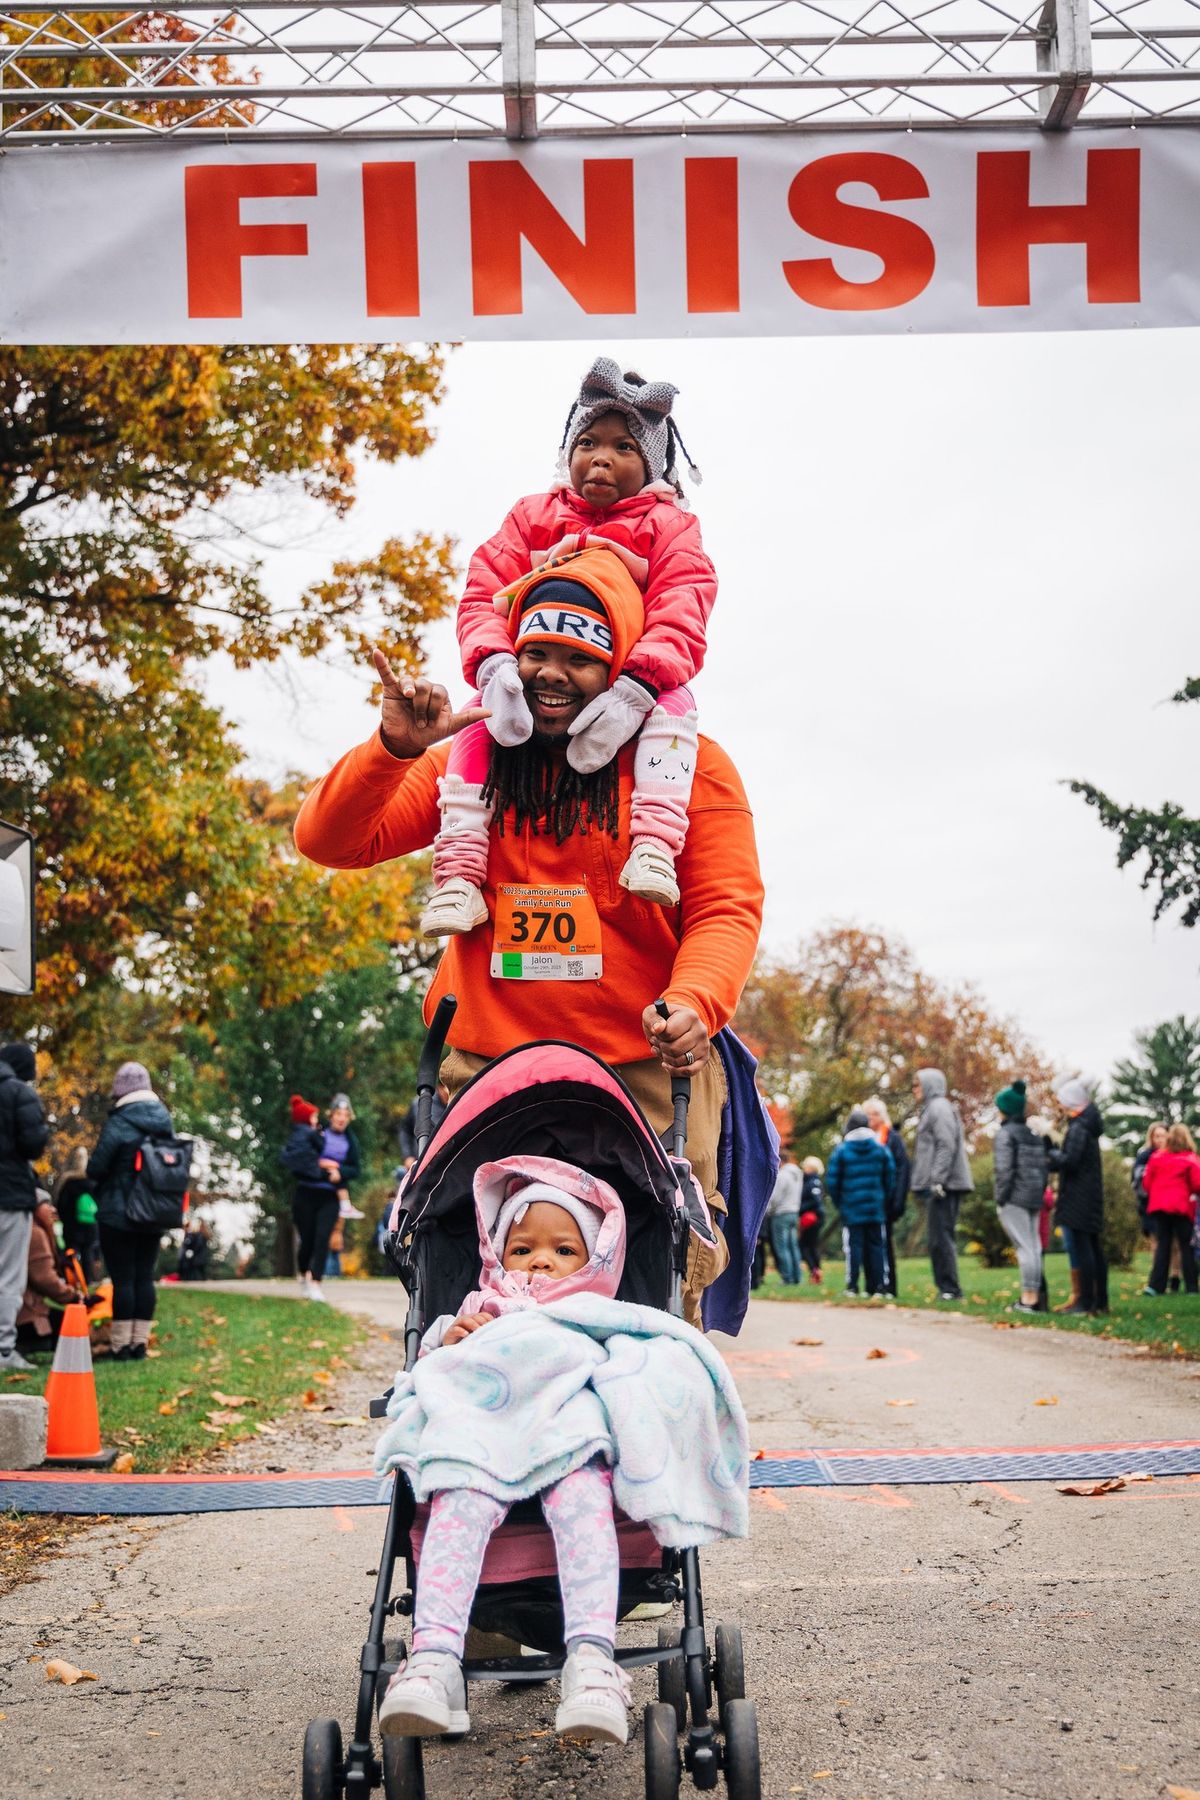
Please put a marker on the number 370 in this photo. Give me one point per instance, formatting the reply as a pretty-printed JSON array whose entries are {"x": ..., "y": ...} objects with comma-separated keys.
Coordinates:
[{"x": 560, "y": 924}]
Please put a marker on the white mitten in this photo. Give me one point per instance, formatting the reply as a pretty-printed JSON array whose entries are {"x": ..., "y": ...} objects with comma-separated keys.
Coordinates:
[
  {"x": 607, "y": 722},
  {"x": 502, "y": 692}
]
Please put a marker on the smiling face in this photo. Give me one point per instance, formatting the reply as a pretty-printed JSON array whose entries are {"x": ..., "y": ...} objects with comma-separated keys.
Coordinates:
[
  {"x": 606, "y": 464},
  {"x": 559, "y": 681},
  {"x": 339, "y": 1118},
  {"x": 546, "y": 1242}
]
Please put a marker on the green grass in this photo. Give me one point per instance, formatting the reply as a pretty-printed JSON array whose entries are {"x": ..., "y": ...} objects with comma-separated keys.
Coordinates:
[
  {"x": 1170, "y": 1326},
  {"x": 267, "y": 1353}
]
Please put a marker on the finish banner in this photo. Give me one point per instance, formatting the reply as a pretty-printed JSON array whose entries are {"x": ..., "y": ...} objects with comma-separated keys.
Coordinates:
[{"x": 755, "y": 236}]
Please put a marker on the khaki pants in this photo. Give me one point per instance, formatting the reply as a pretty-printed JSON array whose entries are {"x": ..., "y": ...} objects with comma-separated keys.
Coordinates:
[{"x": 650, "y": 1085}]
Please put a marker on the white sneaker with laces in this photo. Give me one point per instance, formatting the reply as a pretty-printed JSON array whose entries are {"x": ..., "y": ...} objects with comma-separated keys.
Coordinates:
[
  {"x": 455, "y": 907},
  {"x": 596, "y": 1693},
  {"x": 650, "y": 874},
  {"x": 316, "y": 1292},
  {"x": 348, "y": 1210},
  {"x": 15, "y": 1364},
  {"x": 426, "y": 1697}
]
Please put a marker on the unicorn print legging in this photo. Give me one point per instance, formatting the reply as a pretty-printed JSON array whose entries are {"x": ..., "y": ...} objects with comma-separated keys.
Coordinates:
[{"x": 579, "y": 1511}]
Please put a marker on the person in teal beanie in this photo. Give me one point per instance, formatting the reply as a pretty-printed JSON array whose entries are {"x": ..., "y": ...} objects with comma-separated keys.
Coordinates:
[{"x": 1022, "y": 1168}]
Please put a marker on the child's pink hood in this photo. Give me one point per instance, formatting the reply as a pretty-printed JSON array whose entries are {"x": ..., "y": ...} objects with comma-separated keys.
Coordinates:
[{"x": 503, "y": 1290}]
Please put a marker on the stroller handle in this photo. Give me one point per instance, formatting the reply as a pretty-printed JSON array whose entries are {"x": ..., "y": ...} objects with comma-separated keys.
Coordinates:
[
  {"x": 681, "y": 1095},
  {"x": 428, "y": 1067}
]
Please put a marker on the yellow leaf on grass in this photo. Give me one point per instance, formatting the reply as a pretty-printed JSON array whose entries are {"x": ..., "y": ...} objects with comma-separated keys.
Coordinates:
[
  {"x": 322, "y": 1375},
  {"x": 231, "y": 1399},
  {"x": 167, "y": 1407},
  {"x": 67, "y": 1673},
  {"x": 220, "y": 1417},
  {"x": 124, "y": 1463},
  {"x": 214, "y": 1429},
  {"x": 316, "y": 1343}
]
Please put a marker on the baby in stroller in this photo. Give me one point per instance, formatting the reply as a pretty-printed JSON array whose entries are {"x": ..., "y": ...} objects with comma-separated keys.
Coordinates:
[{"x": 539, "y": 1385}]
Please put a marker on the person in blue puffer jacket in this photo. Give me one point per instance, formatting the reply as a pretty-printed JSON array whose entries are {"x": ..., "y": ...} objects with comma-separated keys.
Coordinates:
[{"x": 860, "y": 1179}]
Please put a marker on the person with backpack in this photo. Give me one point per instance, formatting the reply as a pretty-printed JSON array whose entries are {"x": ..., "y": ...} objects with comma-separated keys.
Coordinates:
[
  {"x": 1022, "y": 1170},
  {"x": 23, "y": 1135},
  {"x": 132, "y": 1215},
  {"x": 860, "y": 1181}
]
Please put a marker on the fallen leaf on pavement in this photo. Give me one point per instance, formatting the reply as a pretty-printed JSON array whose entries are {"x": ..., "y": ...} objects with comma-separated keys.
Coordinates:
[
  {"x": 345, "y": 1421},
  {"x": 1138, "y": 1475},
  {"x": 902, "y": 1403},
  {"x": 808, "y": 1341},
  {"x": 1180, "y": 1793},
  {"x": 67, "y": 1673},
  {"x": 124, "y": 1463},
  {"x": 876, "y": 1355},
  {"x": 167, "y": 1407},
  {"x": 1004, "y": 1324},
  {"x": 310, "y": 1396},
  {"x": 1047, "y": 1400},
  {"x": 267, "y": 1430},
  {"x": 821, "y": 1774},
  {"x": 322, "y": 1375},
  {"x": 231, "y": 1399},
  {"x": 1090, "y": 1489}
]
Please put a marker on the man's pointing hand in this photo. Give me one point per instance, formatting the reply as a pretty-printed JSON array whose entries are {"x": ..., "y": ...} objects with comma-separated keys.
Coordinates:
[{"x": 417, "y": 712}]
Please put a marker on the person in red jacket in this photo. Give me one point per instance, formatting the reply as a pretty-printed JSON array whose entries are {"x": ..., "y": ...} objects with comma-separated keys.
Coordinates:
[
  {"x": 1172, "y": 1181},
  {"x": 617, "y": 488}
]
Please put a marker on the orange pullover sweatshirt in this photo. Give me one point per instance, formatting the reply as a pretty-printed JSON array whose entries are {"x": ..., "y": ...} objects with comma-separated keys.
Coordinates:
[{"x": 373, "y": 806}]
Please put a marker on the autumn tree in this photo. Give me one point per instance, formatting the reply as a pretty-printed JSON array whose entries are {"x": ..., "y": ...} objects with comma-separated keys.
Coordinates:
[
  {"x": 851, "y": 1014},
  {"x": 1166, "y": 836},
  {"x": 1161, "y": 1080},
  {"x": 136, "y": 488}
]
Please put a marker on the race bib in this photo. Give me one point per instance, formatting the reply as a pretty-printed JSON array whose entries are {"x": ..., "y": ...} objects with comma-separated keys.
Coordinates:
[{"x": 546, "y": 934}]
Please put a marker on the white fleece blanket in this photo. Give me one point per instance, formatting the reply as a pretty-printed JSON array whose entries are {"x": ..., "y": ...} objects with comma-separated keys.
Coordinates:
[{"x": 523, "y": 1401}]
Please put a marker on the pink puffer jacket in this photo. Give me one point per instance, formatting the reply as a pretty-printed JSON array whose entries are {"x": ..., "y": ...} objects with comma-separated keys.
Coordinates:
[{"x": 659, "y": 544}]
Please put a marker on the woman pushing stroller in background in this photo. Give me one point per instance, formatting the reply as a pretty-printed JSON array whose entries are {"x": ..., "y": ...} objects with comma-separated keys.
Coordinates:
[{"x": 545, "y": 1384}]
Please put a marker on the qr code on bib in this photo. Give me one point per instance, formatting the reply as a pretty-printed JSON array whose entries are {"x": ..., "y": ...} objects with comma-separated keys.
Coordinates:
[{"x": 574, "y": 967}]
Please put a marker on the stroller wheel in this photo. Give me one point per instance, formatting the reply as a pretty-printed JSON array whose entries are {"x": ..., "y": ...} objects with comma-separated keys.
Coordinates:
[
  {"x": 743, "y": 1771},
  {"x": 729, "y": 1668},
  {"x": 672, "y": 1679},
  {"x": 662, "y": 1752},
  {"x": 403, "y": 1769},
  {"x": 322, "y": 1773}
]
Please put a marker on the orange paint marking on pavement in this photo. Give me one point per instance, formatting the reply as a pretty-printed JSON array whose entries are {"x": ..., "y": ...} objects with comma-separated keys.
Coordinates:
[
  {"x": 1004, "y": 1493},
  {"x": 342, "y": 1519},
  {"x": 767, "y": 1498},
  {"x": 878, "y": 1496}
]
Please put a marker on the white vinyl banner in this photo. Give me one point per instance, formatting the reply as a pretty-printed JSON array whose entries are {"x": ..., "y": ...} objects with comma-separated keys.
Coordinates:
[{"x": 771, "y": 236}]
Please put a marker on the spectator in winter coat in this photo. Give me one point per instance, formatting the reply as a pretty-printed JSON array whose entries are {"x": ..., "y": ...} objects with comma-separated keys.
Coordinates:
[
  {"x": 1156, "y": 1139},
  {"x": 1080, "y": 1209},
  {"x": 812, "y": 1214},
  {"x": 75, "y": 1205},
  {"x": 860, "y": 1181},
  {"x": 1172, "y": 1178},
  {"x": 195, "y": 1250},
  {"x": 783, "y": 1219},
  {"x": 315, "y": 1201},
  {"x": 130, "y": 1250},
  {"x": 1022, "y": 1168},
  {"x": 881, "y": 1124},
  {"x": 23, "y": 1136},
  {"x": 941, "y": 1175},
  {"x": 37, "y": 1327}
]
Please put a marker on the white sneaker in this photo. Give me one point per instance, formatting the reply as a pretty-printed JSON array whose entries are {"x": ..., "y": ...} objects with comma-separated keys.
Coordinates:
[
  {"x": 596, "y": 1693},
  {"x": 348, "y": 1210},
  {"x": 650, "y": 874},
  {"x": 426, "y": 1697},
  {"x": 317, "y": 1292},
  {"x": 15, "y": 1364},
  {"x": 455, "y": 907}
]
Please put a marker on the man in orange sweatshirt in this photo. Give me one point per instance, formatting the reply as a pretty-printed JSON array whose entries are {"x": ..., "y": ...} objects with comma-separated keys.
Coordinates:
[{"x": 566, "y": 951}]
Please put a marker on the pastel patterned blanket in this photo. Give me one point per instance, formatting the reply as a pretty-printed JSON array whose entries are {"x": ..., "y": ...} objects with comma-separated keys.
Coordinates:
[{"x": 535, "y": 1394}]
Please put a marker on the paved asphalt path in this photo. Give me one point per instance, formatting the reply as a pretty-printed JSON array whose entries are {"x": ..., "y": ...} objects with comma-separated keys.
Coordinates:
[{"x": 976, "y": 1640}]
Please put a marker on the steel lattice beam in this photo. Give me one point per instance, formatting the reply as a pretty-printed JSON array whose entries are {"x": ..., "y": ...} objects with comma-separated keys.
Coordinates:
[{"x": 521, "y": 68}]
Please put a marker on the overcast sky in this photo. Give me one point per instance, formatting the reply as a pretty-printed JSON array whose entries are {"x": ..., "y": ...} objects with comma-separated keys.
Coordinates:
[{"x": 953, "y": 572}]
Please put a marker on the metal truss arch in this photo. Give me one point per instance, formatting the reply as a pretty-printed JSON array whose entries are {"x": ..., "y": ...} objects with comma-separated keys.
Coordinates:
[{"x": 518, "y": 69}]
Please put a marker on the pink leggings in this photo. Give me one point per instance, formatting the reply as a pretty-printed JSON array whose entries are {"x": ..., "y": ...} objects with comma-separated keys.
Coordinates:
[
  {"x": 471, "y": 751},
  {"x": 579, "y": 1510}
]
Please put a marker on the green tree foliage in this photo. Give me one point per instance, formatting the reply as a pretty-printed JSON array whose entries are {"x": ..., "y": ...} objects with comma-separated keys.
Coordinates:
[
  {"x": 1161, "y": 1080},
  {"x": 1165, "y": 836}
]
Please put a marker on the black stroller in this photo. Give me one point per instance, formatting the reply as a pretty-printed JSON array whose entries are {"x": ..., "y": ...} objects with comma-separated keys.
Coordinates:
[{"x": 546, "y": 1099}]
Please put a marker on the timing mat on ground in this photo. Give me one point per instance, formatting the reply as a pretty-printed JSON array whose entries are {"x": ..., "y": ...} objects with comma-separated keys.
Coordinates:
[{"x": 59, "y": 1492}]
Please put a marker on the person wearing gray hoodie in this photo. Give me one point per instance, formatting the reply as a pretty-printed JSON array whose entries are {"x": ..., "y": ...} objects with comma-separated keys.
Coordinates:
[{"x": 941, "y": 1176}]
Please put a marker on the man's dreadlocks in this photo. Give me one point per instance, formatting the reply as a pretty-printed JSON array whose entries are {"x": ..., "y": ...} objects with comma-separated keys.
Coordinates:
[{"x": 550, "y": 796}]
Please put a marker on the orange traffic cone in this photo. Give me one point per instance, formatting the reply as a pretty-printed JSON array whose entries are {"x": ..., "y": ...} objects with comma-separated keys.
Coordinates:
[{"x": 73, "y": 1433}]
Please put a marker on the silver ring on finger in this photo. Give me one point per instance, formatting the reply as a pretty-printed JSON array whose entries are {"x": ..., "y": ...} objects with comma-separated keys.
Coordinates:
[{"x": 688, "y": 1058}]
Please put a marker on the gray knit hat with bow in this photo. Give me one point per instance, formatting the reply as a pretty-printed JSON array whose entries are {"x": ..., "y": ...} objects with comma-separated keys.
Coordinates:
[{"x": 646, "y": 406}]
